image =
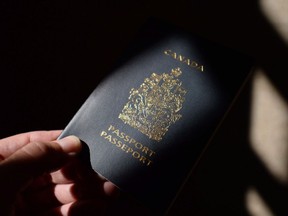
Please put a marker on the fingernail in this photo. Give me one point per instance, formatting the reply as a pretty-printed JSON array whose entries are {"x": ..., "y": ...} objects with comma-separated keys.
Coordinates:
[{"x": 70, "y": 144}]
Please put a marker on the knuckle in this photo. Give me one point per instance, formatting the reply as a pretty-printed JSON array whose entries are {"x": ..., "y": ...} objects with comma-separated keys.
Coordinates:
[{"x": 43, "y": 148}]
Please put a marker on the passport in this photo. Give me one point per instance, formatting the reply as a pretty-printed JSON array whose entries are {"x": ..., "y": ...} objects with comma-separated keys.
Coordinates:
[{"x": 148, "y": 121}]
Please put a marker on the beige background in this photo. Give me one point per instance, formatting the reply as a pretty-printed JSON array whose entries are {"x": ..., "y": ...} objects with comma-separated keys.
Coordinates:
[{"x": 245, "y": 170}]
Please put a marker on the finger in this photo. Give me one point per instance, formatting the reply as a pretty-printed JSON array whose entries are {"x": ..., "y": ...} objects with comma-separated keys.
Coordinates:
[
  {"x": 87, "y": 207},
  {"x": 110, "y": 189},
  {"x": 71, "y": 172},
  {"x": 40, "y": 200},
  {"x": 55, "y": 195},
  {"x": 49, "y": 197},
  {"x": 63, "y": 193},
  {"x": 65, "y": 175},
  {"x": 35, "y": 159},
  {"x": 74, "y": 171},
  {"x": 38, "y": 183},
  {"x": 11, "y": 144},
  {"x": 60, "y": 177},
  {"x": 107, "y": 188}
]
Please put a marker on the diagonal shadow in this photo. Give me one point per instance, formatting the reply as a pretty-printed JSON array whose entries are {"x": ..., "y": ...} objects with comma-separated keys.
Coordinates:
[
  {"x": 230, "y": 166},
  {"x": 228, "y": 169}
]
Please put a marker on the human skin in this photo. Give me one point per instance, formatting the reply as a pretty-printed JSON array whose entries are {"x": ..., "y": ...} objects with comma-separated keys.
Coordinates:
[{"x": 42, "y": 176}]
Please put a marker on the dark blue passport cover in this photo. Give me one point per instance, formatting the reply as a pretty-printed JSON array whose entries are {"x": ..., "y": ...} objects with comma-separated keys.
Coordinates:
[{"x": 147, "y": 123}]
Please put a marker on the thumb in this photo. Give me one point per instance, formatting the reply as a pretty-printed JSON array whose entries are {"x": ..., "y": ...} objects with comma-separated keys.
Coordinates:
[{"x": 34, "y": 159}]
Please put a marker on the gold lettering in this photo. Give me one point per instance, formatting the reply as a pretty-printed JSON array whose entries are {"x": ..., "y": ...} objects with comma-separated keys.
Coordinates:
[
  {"x": 124, "y": 146},
  {"x": 201, "y": 68},
  {"x": 187, "y": 61},
  {"x": 129, "y": 150},
  {"x": 127, "y": 138},
  {"x": 136, "y": 154},
  {"x": 184, "y": 59},
  {"x": 109, "y": 137},
  {"x": 194, "y": 64},
  {"x": 122, "y": 135},
  {"x": 145, "y": 150},
  {"x": 138, "y": 145},
  {"x": 180, "y": 58},
  {"x": 103, "y": 133},
  {"x": 143, "y": 159},
  {"x": 132, "y": 141},
  {"x": 151, "y": 153},
  {"x": 111, "y": 128},
  {"x": 174, "y": 55},
  {"x": 114, "y": 141},
  {"x": 116, "y": 132},
  {"x": 168, "y": 52},
  {"x": 119, "y": 144},
  {"x": 149, "y": 162}
]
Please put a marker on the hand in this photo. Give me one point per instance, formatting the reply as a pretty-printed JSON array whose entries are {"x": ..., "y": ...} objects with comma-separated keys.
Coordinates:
[{"x": 40, "y": 176}]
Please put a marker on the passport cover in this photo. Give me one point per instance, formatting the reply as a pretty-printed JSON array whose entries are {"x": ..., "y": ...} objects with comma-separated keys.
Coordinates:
[{"x": 147, "y": 122}]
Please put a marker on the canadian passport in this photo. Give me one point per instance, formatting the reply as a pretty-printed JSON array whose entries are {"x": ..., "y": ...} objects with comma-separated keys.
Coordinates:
[{"x": 147, "y": 123}]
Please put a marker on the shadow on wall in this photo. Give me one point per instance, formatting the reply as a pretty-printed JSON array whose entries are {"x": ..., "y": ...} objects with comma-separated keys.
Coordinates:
[
  {"x": 230, "y": 167},
  {"x": 55, "y": 53}
]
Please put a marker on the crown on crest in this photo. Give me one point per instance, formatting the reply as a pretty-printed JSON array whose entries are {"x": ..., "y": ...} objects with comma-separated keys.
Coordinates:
[{"x": 155, "y": 105}]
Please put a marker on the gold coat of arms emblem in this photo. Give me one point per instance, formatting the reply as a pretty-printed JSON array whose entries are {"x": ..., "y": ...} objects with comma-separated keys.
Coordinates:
[{"x": 155, "y": 105}]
